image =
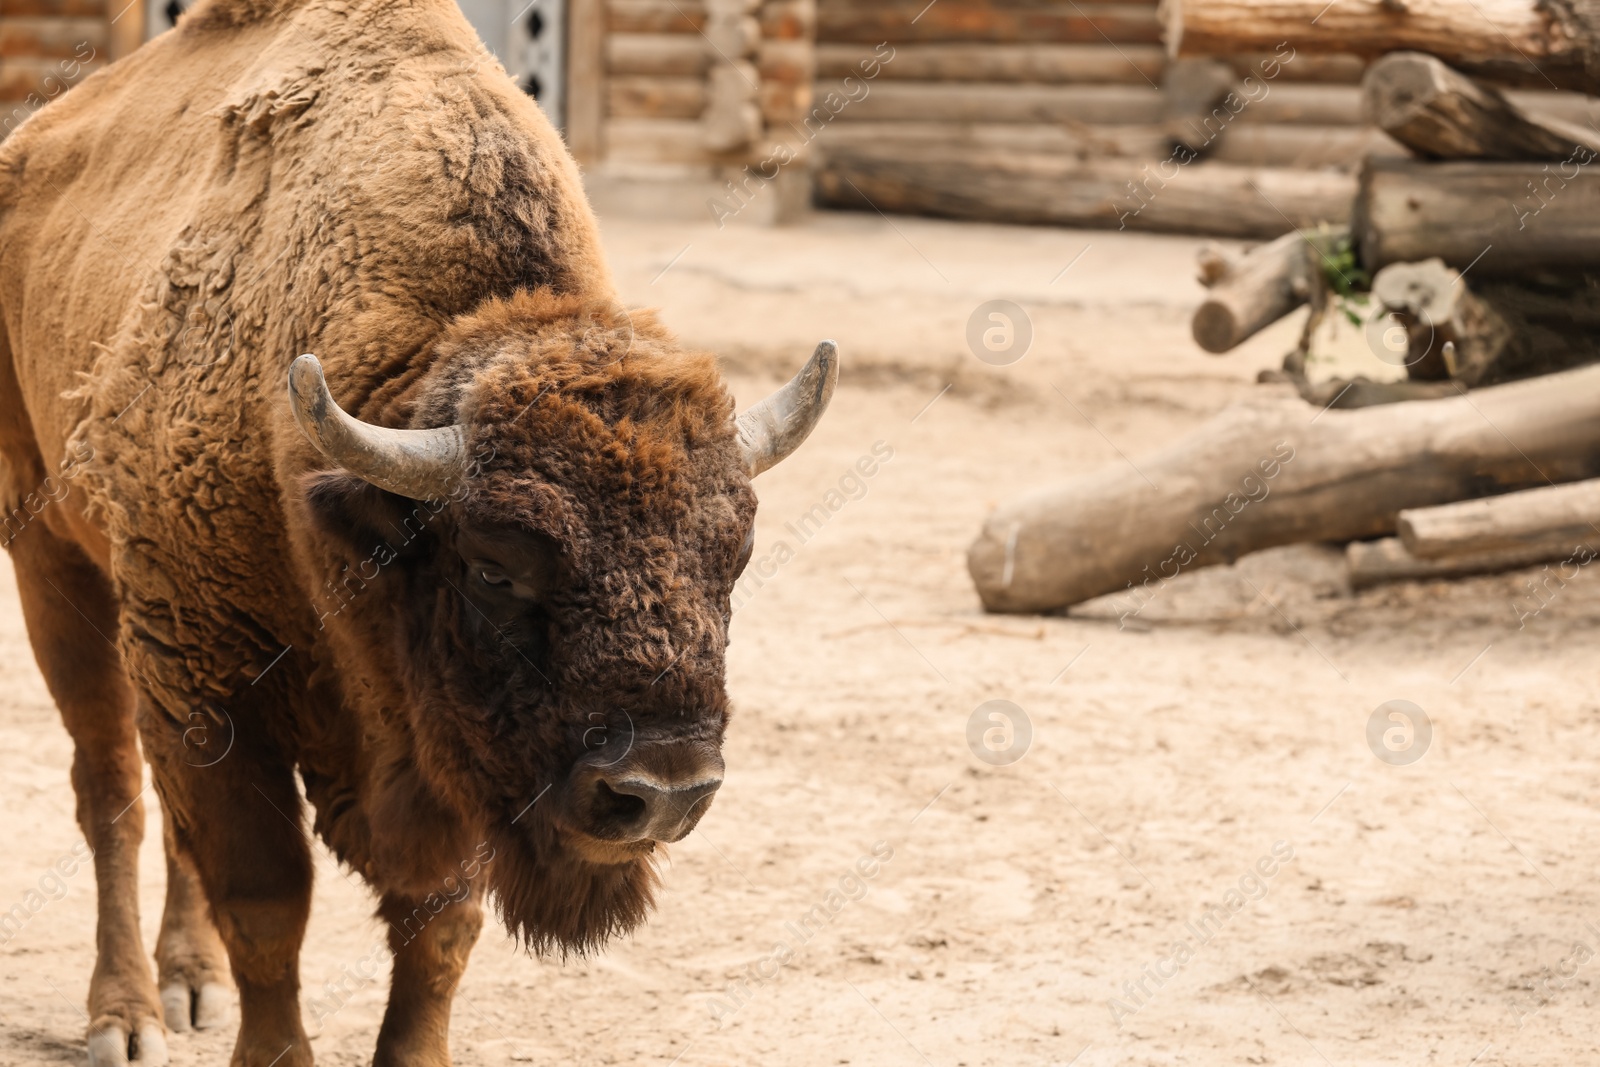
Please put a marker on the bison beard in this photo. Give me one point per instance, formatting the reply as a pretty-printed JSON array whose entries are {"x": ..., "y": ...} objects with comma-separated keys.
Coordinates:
[{"x": 552, "y": 900}]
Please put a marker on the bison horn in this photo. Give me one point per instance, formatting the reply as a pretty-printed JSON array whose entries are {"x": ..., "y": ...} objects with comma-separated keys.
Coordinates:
[
  {"x": 420, "y": 464},
  {"x": 772, "y": 429}
]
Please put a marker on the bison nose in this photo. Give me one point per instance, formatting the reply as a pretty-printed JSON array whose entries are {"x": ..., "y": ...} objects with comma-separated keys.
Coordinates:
[
  {"x": 656, "y": 791},
  {"x": 637, "y": 806}
]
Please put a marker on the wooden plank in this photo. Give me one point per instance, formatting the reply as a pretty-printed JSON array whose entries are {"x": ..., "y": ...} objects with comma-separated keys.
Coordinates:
[
  {"x": 917, "y": 22},
  {"x": 983, "y": 102},
  {"x": 585, "y": 103},
  {"x": 1055, "y": 64},
  {"x": 634, "y": 97},
  {"x": 1208, "y": 198},
  {"x": 655, "y": 16},
  {"x": 1515, "y": 216}
]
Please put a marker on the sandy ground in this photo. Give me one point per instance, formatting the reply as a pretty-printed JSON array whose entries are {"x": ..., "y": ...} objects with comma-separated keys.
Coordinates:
[{"x": 1433, "y": 913}]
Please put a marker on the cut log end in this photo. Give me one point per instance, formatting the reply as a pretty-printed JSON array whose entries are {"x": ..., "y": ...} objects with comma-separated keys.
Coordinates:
[
  {"x": 1216, "y": 328},
  {"x": 1441, "y": 113},
  {"x": 1397, "y": 89},
  {"x": 1252, "y": 292}
]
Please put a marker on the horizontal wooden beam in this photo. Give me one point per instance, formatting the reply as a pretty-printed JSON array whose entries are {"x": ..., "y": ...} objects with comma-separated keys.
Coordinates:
[
  {"x": 915, "y": 21},
  {"x": 997, "y": 103}
]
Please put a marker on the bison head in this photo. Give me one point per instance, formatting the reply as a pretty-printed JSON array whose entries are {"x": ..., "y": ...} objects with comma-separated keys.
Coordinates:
[{"x": 556, "y": 558}]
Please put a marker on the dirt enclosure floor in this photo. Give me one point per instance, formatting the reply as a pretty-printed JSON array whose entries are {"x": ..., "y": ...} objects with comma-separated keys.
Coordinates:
[{"x": 1104, "y": 899}]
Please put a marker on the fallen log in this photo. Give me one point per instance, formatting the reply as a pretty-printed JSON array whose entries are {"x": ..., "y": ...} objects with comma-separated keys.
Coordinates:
[
  {"x": 1275, "y": 471},
  {"x": 1529, "y": 42},
  {"x": 1252, "y": 292},
  {"x": 1440, "y": 113},
  {"x": 1162, "y": 197},
  {"x": 1370, "y": 563},
  {"x": 1553, "y": 514},
  {"x": 1515, "y": 216}
]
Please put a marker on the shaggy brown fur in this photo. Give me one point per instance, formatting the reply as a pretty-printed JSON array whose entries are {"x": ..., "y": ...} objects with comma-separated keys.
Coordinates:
[{"x": 358, "y": 179}]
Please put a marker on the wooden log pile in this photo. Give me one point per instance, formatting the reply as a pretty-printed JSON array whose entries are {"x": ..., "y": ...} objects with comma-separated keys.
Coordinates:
[
  {"x": 1490, "y": 181},
  {"x": 1476, "y": 252},
  {"x": 1487, "y": 186}
]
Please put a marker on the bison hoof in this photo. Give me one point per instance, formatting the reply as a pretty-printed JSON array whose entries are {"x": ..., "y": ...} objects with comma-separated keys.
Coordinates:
[
  {"x": 111, "y": 1044},
  {"x": 197, "y": 1009}
]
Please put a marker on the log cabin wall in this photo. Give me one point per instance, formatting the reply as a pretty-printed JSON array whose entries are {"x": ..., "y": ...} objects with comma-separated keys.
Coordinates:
[
  {"x": 698, "y": 101},
  {"x": 735, "y": 109},
  {"x": 1057, "y": 110},
  {"x": 48, "y": 46}
]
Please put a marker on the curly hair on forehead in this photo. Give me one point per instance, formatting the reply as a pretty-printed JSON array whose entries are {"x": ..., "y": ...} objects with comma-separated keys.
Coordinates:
[
  {"x": 585, "y": 395},
  {"x": 586, "y": 347}
]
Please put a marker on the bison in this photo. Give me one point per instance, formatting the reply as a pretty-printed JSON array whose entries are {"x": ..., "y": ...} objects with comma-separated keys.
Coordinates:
[{"x": 472, "y": 588}]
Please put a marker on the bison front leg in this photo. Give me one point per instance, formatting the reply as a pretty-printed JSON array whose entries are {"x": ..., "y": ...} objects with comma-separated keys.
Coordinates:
[
  {"x": 431, "y": 938},
  {"x": 238, "y": 821},
  {"x": 190, "y": 959},
  {"x": 71, "y": 616}
]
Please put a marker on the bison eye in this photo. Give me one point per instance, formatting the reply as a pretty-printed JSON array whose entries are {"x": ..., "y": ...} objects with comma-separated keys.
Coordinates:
[{"x": 493, "y": 576}]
